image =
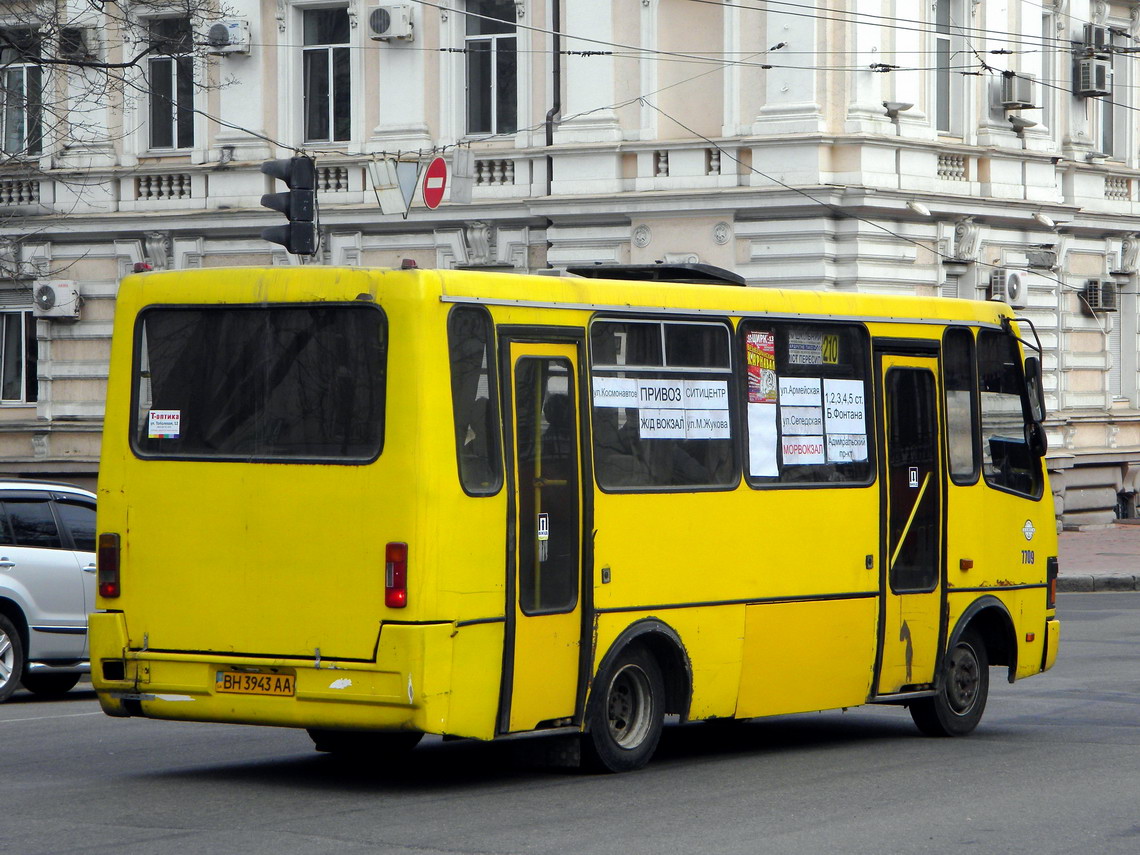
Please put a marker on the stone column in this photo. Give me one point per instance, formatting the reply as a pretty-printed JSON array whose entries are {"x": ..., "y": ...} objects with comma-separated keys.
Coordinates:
[
  {"x": 791, "y": 104},
  {"x": 588, "y": 81},
  {"x": 241, "y": 98},
  {"x": 865, "y": 111}
]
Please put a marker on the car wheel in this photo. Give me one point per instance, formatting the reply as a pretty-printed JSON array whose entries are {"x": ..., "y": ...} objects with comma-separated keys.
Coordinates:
[
  {"x": 50, "y": 685},
  {"x": 961, "y": 699},
  {"x": 11, "y": 658},
  {"x": 625, "y": 714},
  {"x": 354, "y": 743}
]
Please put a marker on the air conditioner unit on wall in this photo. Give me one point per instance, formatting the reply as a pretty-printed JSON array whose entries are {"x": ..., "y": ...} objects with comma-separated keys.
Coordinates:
[
  {"x": 1017, "y": 91},
  {"x": 227, "y": 36},
  {"x": 77, "y": 43},
  {"x": 1097, "y": 39},
  {"x": 390, "y": 22},
  {"x": 1009, "y": 286},
  {"x": 1092, "y": 76},
  {"x": 1100, "y": 295},
  {"x": 58, "y": 299}
]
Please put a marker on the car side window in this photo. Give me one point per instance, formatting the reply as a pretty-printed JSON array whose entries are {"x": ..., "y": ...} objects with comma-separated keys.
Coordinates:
[
  {"x": 32, "y": 524},
  {"x": 79, "y": 520}
]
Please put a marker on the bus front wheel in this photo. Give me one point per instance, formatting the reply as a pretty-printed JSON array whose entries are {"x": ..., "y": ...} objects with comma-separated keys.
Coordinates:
[
  {"x": 625, "y": 714},
  {"x": 961, "y": 699}
]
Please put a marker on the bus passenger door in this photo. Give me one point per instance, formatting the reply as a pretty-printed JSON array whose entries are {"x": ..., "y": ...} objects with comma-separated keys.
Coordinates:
[
  {"x": 545, "y": 604},
  {"x": 911, "y": 478}
]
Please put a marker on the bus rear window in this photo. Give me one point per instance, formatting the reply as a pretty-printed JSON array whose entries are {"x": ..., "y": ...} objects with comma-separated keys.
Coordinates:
[{"x": 295, "y": 383}]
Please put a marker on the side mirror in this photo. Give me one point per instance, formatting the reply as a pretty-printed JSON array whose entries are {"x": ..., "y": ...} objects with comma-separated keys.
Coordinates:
[
  {"x": 1035, "y": 438},
  {"x": 1036, "y": 388}
]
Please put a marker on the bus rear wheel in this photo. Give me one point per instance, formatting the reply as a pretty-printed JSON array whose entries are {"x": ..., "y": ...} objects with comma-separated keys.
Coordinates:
[
  {"x": 362, "y": 744},
  {"x": 961, "y": 699},
  {"x": 625, "y": 714}
]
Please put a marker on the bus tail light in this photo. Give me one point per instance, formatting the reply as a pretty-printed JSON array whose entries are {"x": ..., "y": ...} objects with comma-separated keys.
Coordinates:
[
  {"x": 1051, "y": 568},
  {"x": 396, "y": 575},
  {"x": 107, "y": 562}
]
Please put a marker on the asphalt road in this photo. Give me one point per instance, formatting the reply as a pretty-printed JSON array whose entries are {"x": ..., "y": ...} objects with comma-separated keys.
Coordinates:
[{"x": 1053, "y": 768}]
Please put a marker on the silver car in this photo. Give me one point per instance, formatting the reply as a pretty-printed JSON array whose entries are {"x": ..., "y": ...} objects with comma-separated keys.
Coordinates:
[{"x": 47, "y": 585}]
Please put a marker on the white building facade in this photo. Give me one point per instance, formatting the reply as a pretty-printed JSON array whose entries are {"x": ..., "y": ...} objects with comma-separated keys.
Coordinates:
[{"x": 951, "y": 147}]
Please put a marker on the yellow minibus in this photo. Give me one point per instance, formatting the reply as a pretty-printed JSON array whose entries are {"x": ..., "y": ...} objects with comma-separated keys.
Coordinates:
[{"x": 377, "y": 504}]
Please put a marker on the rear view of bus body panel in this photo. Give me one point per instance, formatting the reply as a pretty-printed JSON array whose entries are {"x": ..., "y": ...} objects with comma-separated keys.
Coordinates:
[
  {"x": 277, "y": 569},
  {"x": 423, "y": 678}
]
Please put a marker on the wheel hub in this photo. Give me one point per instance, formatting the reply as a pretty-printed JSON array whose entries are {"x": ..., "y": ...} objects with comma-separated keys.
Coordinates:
[
  {"x": 7, "y": 658},
  {"x": 628, "y": 707},
  {"x": 963, "y": 680}
]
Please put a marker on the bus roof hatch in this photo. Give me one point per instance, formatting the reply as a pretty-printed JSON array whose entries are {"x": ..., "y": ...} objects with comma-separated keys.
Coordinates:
[{"x": 690, "y": 273}]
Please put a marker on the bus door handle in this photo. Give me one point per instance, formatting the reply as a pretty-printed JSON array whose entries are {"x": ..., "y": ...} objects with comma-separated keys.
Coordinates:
[{"x": 550, "y": 482}]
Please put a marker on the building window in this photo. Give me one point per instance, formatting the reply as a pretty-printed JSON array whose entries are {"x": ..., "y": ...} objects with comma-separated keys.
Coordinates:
[
  {"x": 327, "y": 77},
  {"x": 21, "y": 112},
  {"x": 492, "y": 65},
  {"x": 948, "y": 66},
  {"x": 1046, "y": 90},
  {"x": 1115, "y": 384},
  {"x": 171, "y": 69},
  {"x": 18, "y": 358},
  {"x": 1113, "y": 108}
]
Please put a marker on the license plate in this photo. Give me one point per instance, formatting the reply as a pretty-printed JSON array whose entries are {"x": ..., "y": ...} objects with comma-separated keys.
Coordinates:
[{"x": 248, "y": 683}]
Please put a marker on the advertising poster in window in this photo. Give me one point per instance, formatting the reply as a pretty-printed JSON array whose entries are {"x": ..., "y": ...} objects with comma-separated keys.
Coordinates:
[
  {"x": 845, "y": 421},
  {"x": 808, "y": 347},
  {"x": 661, "y": 424},
  {"x": 800, "y": 392},
  {"x": 801, "y": 420},
  {"x": 615, "y": 392},
  {"x": 802, "y": 450},
  {"x": 669, "y": 409},
  {"x": 760, "y": 351},
  {"x": 805, "y": 347}
]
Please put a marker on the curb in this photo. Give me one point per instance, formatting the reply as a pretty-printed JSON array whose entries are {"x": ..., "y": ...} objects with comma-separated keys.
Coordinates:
[{"x": 1086, "y": 584}]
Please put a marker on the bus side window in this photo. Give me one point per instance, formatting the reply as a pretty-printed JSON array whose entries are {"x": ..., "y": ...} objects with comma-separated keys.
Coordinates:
[
  {"x": 808, "y": 403},
  {"x": 961, "y": 404},
  {"x": 661, "y": 409},
  {"x": 472, "y": 358},
  {"x": 1008, "y": 462}
]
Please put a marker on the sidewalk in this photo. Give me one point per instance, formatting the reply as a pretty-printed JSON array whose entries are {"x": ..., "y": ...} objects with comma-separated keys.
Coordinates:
[{"x": 1107, "y": 560}]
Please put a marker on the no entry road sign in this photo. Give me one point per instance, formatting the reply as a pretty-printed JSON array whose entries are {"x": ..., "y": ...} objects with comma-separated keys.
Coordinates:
[{"x": 435, "y": 182}]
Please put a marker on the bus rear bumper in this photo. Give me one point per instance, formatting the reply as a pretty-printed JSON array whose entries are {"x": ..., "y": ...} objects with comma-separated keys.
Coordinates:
[{"x": 388, "y": 694}]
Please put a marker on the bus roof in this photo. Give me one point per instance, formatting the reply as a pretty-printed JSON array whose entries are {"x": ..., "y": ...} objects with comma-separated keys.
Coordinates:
[
  {"x": 292, "y": 284},
  {"x": 604, "y": 294}
]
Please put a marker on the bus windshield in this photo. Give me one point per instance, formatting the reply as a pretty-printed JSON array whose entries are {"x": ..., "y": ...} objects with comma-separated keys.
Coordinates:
[{"x": 255, "y": 383}]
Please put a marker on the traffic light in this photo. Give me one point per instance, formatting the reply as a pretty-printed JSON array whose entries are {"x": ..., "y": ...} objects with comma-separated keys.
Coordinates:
[{"x": 299, "y": 204}]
